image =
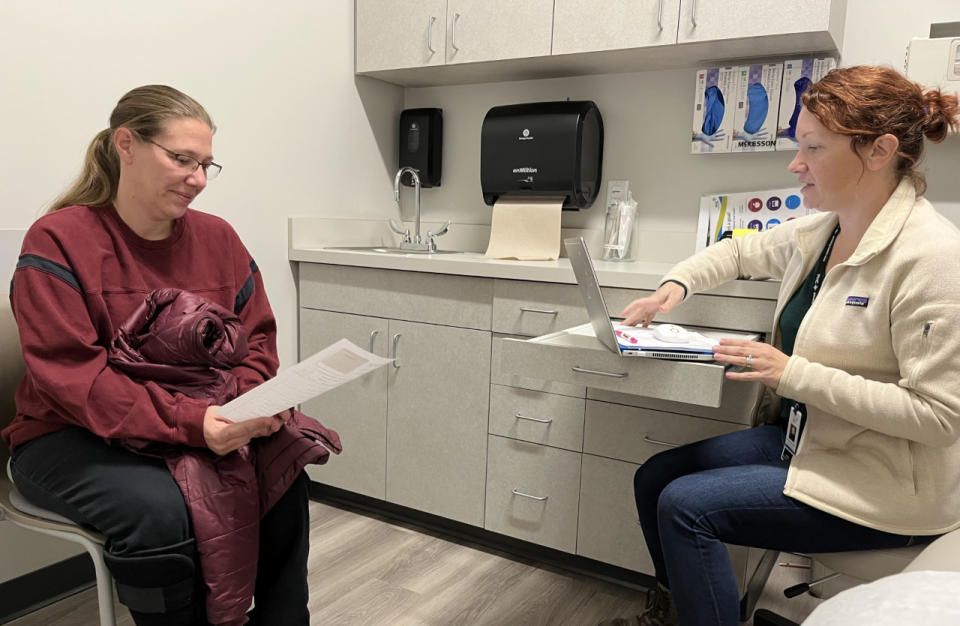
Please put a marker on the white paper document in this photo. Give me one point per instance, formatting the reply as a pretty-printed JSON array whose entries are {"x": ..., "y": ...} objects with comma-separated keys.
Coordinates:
[{"x": 333, "y": 366}]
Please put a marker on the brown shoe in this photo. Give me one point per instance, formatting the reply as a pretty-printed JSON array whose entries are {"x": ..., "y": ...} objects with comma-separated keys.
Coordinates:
[{"x": 658, "y": 610}]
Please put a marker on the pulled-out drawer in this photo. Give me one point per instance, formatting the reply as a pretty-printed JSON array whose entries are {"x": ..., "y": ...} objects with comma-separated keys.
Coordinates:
[{"x": 578, "y": 359}]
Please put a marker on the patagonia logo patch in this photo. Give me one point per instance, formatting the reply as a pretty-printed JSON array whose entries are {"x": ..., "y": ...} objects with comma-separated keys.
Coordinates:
[{"x": 859, "y": 301}]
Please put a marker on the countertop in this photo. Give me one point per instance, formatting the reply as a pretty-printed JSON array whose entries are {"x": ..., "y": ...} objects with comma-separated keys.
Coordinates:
[{"x": 628, "y": 275}]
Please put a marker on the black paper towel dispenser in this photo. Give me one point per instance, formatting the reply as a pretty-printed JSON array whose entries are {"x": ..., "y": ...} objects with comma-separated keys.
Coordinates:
[{"x": 542, "y": 149}]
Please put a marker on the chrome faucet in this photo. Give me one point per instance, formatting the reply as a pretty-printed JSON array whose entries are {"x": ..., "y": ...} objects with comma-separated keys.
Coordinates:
[{"x": 415, "y": 243}]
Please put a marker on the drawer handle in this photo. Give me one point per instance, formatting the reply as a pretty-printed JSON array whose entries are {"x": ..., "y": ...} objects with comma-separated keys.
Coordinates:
[
  {"x": 520, "y": 416},
  {"x": 373, "y": 338},
  {"x": 526, "y": 309},
  {"x": 661, "y": 443},
  {"x": 660, "y": 16},
  {"x": 527, "y": 495},
  {"x": 584, "y": 370}
]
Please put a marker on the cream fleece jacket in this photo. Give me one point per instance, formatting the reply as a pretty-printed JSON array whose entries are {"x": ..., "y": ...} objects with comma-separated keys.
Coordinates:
[{"x": 881, "y": 382}]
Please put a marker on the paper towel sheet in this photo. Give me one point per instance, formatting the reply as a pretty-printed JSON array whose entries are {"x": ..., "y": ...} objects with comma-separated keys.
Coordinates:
[{"x": 527, "y": 230}]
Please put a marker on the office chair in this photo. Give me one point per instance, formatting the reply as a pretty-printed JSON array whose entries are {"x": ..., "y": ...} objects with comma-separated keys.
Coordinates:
[{"x": 13, "y": 506}]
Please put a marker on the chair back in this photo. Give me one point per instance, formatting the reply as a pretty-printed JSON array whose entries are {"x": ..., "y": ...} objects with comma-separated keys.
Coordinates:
[{"x": 11, "y": 359}]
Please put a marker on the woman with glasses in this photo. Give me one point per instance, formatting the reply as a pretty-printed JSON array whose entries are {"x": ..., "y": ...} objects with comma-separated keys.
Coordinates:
[{"x": 123, "y": 230}]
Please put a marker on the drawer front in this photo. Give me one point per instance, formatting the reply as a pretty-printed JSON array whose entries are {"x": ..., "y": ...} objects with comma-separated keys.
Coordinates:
[
  {"x": 634, "y": 434},
  {"x": 537, "y": 417},
  {"x": 608, "y": 530},
  {"x": 463, "y": 301},
  {"x": 739, "y": 403},
  {"x": 532, "y": 309},
  {"x": 591, "y": 365},
  {"x": 533, "y": 492},
  {"x": 729, "y": 312},
  {"x": 498, "y": 376}
]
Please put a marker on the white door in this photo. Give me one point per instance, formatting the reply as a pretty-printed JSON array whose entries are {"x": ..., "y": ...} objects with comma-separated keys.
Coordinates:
[
  {"x": 590, "y": 26},
  {"x": 491, "y": 30},
  {"x": 710, "y": 20},
  {"x": 395, "y": 34}
]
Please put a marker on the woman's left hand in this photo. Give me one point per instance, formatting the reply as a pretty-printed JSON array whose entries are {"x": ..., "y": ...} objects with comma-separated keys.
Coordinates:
[{"x": 761, "y": 361}]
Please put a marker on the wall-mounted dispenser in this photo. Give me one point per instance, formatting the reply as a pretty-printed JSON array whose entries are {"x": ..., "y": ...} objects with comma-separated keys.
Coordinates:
[
  {"x": 542, "y": 149},
  {"x": 421, "y": 145}
]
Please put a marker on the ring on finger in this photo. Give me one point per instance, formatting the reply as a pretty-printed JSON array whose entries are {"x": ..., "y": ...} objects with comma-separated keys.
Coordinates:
[{"x": 749, "y": 361}]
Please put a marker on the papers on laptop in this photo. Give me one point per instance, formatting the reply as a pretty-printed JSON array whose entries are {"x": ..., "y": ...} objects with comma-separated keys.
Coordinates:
[
  {"x": 333, "y": 366},
  {"x": 637, "y": 338}
]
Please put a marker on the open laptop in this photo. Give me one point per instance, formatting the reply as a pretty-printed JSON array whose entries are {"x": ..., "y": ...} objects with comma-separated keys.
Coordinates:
[{"x": 633, "y": 340}]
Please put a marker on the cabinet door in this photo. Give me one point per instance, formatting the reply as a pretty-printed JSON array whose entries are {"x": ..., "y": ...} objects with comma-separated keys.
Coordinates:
[
  {"x": 357, "y": 410},
  {"x": 491, "y": 30},
  {"x": 394, "y": 34},
  {"x": 438, "y": 400},
  {"x": 590, "y": 26},
  {"x": 608, "y": 530},
  {"x": 709, "y": 20}
]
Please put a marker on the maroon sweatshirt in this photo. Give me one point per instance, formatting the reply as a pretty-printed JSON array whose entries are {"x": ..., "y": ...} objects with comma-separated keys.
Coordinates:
[{"x": 82, "y": 272}]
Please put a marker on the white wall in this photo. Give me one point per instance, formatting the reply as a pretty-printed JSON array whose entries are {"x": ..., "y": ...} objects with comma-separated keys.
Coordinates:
[{"x": 647, "y": 117}]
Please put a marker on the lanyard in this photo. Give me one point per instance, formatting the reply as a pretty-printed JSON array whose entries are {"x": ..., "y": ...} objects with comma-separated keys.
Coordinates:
[
  {"x": 798, "y": 412},
  {"x": 822, "y": 264}
]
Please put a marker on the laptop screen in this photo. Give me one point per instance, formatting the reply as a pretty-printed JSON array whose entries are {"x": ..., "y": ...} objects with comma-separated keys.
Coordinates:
[{"x": 590, "y": 289}]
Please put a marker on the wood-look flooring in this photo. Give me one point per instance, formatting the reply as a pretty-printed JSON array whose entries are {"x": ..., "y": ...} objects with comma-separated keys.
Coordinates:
[{"x": 365, "y": 570}]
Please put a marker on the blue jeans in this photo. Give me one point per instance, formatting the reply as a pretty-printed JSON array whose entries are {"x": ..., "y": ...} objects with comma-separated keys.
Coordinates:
[{"x": 729, "y": 489}]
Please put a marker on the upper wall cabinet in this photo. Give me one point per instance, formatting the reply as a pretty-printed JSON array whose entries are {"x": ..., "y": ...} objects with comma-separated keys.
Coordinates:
[
  {"x": 444, "y": 42},
  {"x": 591, "y": 26},
  {"x": 492, "y": 30},
  {"x": 714, "y": 20},
  {"x": 397, "y": 34}
]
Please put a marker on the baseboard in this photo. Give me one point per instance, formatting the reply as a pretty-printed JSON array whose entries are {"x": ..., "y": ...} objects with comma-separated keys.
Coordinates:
[
  {"x": 485, "y": 539},
  {"x": 27, "y": 593}
]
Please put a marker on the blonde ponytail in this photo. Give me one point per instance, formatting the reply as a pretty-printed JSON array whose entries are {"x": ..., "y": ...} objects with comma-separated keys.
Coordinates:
[{"x": 142, "y": 110}]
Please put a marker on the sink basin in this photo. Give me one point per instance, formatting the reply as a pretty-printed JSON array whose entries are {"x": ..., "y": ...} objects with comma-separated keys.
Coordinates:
[{"x": 388, "y": 250}]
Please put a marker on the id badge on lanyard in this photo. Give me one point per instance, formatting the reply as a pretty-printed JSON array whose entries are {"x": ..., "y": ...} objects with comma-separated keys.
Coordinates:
[
  {"x": 798, "y": 411},
  {"x": 794, "y": 430}
]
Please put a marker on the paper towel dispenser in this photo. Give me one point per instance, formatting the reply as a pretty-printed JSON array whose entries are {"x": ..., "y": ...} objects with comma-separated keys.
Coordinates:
[{"x": 542, "y": 149}]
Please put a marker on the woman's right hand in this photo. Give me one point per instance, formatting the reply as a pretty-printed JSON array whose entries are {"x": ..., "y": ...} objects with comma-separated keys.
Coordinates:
[
  {"x": 223, "y": 436},
  {"x": 643, "y": 310}
]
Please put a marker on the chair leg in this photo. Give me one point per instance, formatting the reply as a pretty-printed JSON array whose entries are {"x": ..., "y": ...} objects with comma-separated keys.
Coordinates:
[
  {"x": 754, "y": 586},
  {"x": 104, "y": 586}
]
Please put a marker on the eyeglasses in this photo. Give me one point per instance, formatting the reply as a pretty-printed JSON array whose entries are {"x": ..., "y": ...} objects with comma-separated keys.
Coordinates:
[{"x": 189, "y": 164}]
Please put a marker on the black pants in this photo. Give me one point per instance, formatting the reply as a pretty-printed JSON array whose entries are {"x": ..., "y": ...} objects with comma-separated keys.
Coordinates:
[{"x": 134, "y": 502}]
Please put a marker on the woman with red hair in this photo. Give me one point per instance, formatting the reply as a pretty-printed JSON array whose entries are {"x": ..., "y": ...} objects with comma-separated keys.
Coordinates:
[{"x": 861, "y": 445}]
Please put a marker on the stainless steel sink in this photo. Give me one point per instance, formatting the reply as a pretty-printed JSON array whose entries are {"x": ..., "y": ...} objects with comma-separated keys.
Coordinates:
[{"x": 388, "y": 250}]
